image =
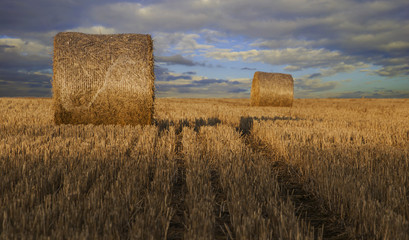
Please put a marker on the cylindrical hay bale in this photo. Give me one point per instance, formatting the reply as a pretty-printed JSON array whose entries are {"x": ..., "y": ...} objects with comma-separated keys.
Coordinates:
[
  {"x": 103, "y": 79},
  {"x": 272, "y": 89}
]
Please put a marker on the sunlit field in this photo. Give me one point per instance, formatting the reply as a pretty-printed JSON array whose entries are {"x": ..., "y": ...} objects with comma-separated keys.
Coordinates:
[{"x": 208, "y": 169}]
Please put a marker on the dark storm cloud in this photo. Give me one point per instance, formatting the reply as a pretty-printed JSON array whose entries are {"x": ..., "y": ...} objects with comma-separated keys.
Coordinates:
[
  {"x": 27, "y": 77},
  {"x": 12, "y": 76},
  {"x": 163, "y": 74},
  {"x": 247, "y": 68},
  {"x": 24, "y": 75},
  {"x": 314, "y": 75},
  {"x": 175, "y": 59},
  {"x": 190, "y": 73},
  {"x": 26, "y": 16},
  {"x": 173, "y": 78},
  {"x": 198, "y": 88},
  {"x": 185, "y": 88},
  {"x": 393, "y": 67},
  {"x": 209, "y": 81},
  {"x": 195, "y": 90},
  {"x": 14, "y": 90},
  {"x": 192, "y": 88},
  {"x": 375, "y": 94},
  {"x": 238, "y": 90},
  {"x": 159, "y": 70},
  {"x": 16, "y": 61},
  {"x": 27, "y": 84},
  {"x": 2, "y": 47},
  {"x": 234, "y": 82},
  {"x": 41, "y": 15}
]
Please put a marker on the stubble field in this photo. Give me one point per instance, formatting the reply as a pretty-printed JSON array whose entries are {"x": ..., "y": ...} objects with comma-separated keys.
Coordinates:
[{"x": 208, "y": 169}]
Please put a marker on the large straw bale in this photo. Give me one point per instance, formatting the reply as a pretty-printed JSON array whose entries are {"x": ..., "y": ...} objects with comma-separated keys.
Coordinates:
[
  {"x": 272, "y": 89},
  {"x": 103, "y": 79}
]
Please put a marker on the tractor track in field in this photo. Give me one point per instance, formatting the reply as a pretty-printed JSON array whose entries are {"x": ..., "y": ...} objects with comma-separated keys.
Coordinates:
[
  {"x": 177, "y": 223},
  {"x": 223, "y": 229},
  {"x": 177, "y": 227},
  {"x": 309, "y": 208}
]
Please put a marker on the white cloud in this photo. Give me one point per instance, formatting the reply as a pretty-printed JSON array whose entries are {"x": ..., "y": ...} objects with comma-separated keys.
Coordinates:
[
  {"x": 213, "y": 36},
  {"x": 292, "y": 68},
  {"x": 328, "y": 63},
  {"x": 25, "y": 47},
  {"x": 242, "y": 80},
  {"x": 395, "y": 46},
  {"x": 188, "y": 44},
  {"x": 220, "y": 54},
  {"x": 367, "y": 30},
  {"x": 342, "y": 67},
  {"x": 182, "y": 42},
  {"x": 295, "y": 58},
  {"x": 162, "y": 16},
  {"x": 98, "y": 29},
  {"x": 287, "y": 43},
  {"x": 393, "y": 70}
]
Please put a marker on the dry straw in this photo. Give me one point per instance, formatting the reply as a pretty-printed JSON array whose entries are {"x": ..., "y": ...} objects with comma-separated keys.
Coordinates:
[
  {"x": 272, "y": 89},
  {"x": 103, "y": 79}
]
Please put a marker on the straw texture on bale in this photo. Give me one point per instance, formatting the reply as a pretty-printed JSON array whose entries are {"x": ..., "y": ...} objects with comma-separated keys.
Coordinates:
[
  {"x": 272, "y": 89},
  {"x": 103, "y": 79}
]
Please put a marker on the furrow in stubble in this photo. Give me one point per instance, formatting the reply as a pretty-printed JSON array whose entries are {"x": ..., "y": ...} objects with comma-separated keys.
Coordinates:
[
  {"x": 178, "y": 193},
  {"x": 309, "y": 208}
]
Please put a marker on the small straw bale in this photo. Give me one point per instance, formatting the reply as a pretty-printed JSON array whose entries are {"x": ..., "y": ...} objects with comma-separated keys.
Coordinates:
[
  {"x": 272, "y": 89},
  {"x": 103, "y": 79}
]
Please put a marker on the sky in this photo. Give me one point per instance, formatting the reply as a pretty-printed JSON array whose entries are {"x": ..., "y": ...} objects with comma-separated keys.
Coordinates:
[{"x": 211, "y": 48}]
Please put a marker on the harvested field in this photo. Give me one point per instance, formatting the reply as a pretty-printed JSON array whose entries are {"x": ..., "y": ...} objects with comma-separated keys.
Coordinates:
[{"x": 208, "y": 169}]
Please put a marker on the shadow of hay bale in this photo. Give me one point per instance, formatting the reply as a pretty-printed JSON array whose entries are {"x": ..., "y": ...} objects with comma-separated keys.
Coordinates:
[
  {"x": 246, "y": 123},
  {"x": 164, "y": 124}
]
